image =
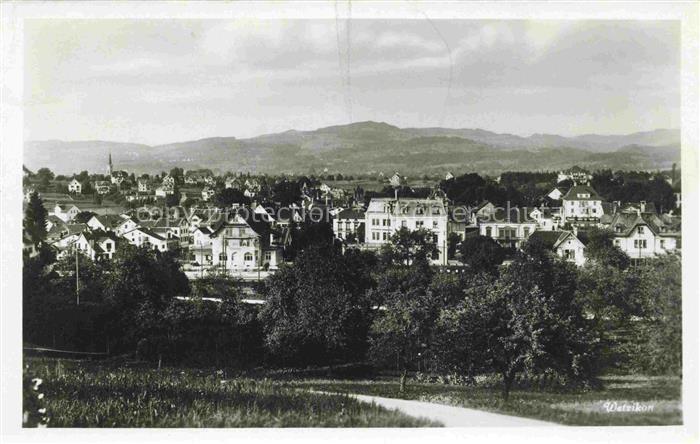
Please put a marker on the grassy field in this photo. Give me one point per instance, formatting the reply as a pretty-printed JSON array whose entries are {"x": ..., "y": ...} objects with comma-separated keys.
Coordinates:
[
  {"x": 662, "y": 394},
  {"x": 83, "y": 394}
]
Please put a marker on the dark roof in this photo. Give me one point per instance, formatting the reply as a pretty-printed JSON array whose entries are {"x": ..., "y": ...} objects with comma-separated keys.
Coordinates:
[
  {"x": 150, "y": 233},
  {"x": 552, "y": 239},
  {"x": 350, "y": 213},
  {"x": 109, "y": 220},
  {"x": 624, "y": 223},
  {"x": 548, "y": 238},
  {"x": 581, "y": 189},
  {"x": 97, "y": 235}
]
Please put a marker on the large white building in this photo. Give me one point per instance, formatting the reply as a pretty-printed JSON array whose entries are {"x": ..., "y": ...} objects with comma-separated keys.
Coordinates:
[
  {"x": 582, "y": 206},
  {"x": 384, "y": 216}
]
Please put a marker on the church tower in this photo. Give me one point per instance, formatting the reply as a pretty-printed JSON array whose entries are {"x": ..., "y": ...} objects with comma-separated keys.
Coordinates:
[{"x": 109, "y": 168}]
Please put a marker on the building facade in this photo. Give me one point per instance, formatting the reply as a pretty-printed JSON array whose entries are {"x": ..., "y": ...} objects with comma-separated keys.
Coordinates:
[{"x": 384, "y": 216}]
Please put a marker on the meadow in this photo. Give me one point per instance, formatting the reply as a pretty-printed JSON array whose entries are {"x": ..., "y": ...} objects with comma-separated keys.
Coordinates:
[
  {"x": 71, "y": 393},
  {"x": 659, "y": 395}
]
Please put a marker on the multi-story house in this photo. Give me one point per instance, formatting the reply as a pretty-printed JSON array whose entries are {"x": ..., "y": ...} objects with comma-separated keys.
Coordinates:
[
  {"x": 106, "y": 222},
  {"x": 65, "y": 212},
  {"x": 347, "y": 223},
  {"x": 200, "y": 248},
  {"x": 145, "y": 186},
  {"x": 645, "y": 235},
  {"x": 565, "y": 244},
  {"x": 168, "y": 181},
  {"x": 581, "y": 206},
  {"x": 127, "y": 224},
  {"x": 75, "y": 187},
  {"x": 239, "y": 243},
  {"x": 575, "y": 174},
  {"x": 141, "y": 236},
  {"x": 384, "y": 216},
  {"x": 509, "y": 228},
  {"x": 97, "y": 244}
]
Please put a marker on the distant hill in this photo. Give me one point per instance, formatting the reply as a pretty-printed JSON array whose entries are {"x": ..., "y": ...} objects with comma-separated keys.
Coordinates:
[{"x": 368, "y": 147}]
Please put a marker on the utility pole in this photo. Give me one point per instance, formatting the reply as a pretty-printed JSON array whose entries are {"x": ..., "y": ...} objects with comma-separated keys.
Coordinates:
[{"x": 77, "y": 277}]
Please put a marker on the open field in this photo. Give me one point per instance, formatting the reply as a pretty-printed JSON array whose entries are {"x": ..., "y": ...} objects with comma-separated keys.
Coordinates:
[
  {"x": 661, "y": 394},
  {"x": 84, "y": 394}
]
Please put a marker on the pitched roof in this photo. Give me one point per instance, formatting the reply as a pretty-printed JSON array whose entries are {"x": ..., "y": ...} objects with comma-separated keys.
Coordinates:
[
  {"x": 109, "y": 220},
  {"x": 581, "y": 189},
  {"x": 623, "y": 223},
  {"x": 350, "y": 213},
  {"x": 552, "y": 239}
]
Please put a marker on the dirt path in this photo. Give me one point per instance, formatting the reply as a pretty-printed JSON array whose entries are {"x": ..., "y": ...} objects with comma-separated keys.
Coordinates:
[{"x": 451, "y": 416}]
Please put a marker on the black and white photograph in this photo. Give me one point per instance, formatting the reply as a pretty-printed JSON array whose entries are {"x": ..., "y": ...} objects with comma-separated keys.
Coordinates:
[{"x": 350, "y": 218}]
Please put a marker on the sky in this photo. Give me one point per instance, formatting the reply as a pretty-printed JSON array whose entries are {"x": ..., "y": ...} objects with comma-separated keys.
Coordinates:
[{"x": 163, "y": 81}]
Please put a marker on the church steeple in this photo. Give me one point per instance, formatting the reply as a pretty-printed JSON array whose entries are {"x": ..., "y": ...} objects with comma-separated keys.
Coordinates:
[{"x": 109, "y": 170}]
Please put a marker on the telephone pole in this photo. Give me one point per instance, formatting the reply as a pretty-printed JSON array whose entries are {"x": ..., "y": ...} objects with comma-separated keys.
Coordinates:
[{"x": 77, "y": 278}]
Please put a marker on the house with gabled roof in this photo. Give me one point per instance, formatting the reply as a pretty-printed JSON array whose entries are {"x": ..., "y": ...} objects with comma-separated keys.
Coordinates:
[
  {"x": 104, "y": 222},
  {"x": 582, "y": 206},
  {"x": 646, "y": 235},
  {"x": 240, "y": 242},
  {"x": 575, "y": 174},
  {"x": 97, "y": 244},
  {"x": 564, "y": 244},
  {"x": 145, "y": 237},
  {"x": 65, "y": 212},
  {"x": 75, "y": 187}
]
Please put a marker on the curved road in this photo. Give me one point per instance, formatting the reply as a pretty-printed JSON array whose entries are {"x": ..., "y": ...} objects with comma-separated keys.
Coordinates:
[{"x": 452, "y": 416}]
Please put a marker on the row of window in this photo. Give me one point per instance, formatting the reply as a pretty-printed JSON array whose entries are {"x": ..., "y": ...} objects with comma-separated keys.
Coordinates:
[
  {"x": 508, "y": 232},
  {"x": 223, "y": 257}
]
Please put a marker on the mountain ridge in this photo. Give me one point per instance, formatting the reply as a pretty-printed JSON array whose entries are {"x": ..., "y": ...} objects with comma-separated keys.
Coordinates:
[{"x": 364, "y": 147}]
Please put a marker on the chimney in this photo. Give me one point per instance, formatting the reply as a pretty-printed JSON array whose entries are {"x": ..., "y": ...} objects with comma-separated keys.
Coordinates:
[
  {"x": 575, "y": 230},
  {"x": 643, "y": 206}
]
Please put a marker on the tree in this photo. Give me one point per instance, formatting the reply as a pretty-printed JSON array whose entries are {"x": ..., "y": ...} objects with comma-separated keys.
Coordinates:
[
  {"x": 400, "y": 335},
  {"x": 307, "y": 234},
  {"x": 482, "y": 254},
  {"x": 35, "y": 219},
  {"x": 178, "y": 174},
  {"x": 173, "y": 200},
  {"x": 601, "y": 249},
  {"x": 317, "y": 311},
  {"x": 226, "y": 197},
  {"x": 659, "y": 345},
  {"x": 528, "y": 320},
  {"x": 139, "y": 287},
  {"x": 406, "y": 246}
]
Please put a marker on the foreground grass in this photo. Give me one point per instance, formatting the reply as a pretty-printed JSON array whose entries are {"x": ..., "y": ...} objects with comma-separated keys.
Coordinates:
[
  {"x": 663, "y": 394},
  {"x": 80, "y": 394}
]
